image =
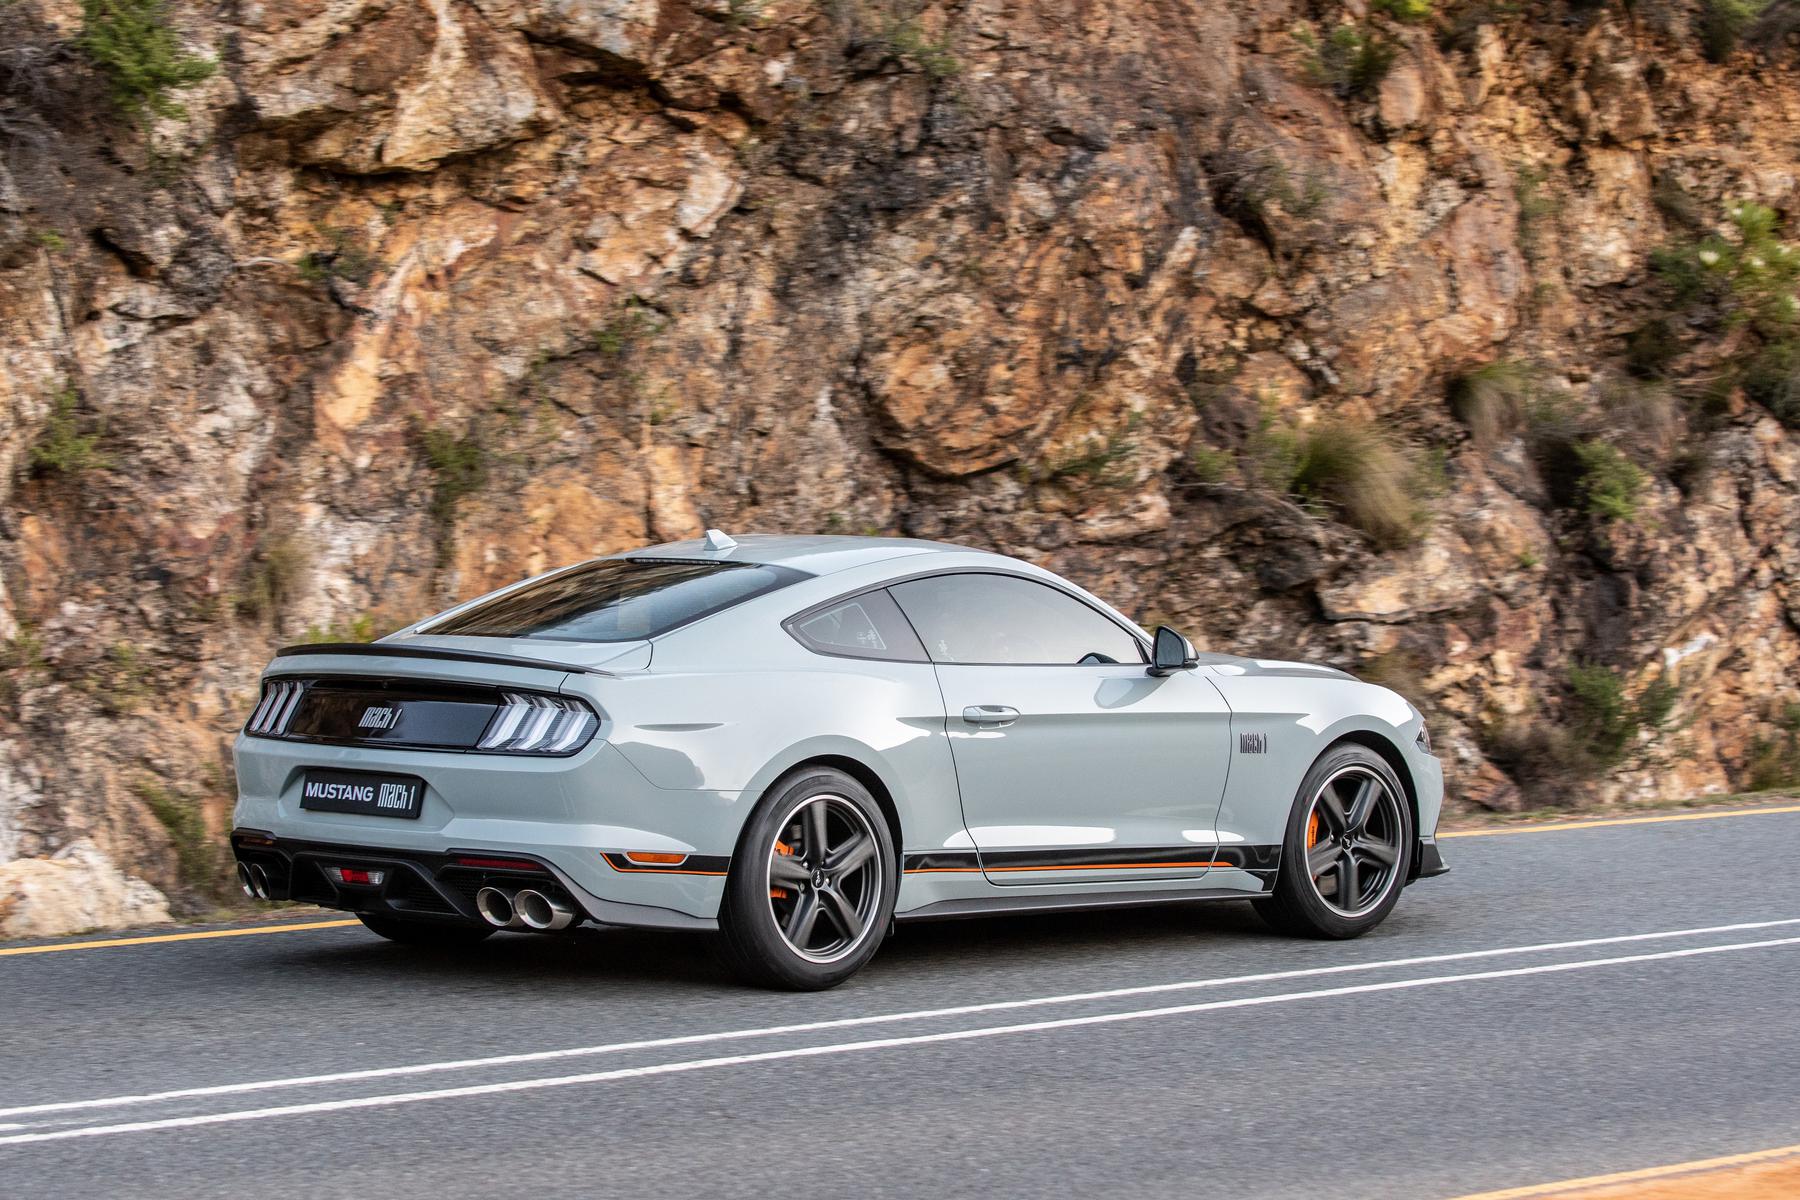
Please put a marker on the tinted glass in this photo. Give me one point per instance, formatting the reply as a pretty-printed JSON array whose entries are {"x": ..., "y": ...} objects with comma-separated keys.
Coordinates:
[
  {"x": 1004, "y": 619},
  {"x": 617, "y": 600},
  {"x": 865, "y": 626}
]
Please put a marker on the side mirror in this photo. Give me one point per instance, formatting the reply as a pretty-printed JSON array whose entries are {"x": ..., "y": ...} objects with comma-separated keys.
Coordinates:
[{"x": 1170, "y": 653}]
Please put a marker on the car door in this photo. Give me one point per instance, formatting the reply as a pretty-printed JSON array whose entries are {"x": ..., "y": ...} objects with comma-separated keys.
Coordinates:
[{"x": 1075, "y": 765}]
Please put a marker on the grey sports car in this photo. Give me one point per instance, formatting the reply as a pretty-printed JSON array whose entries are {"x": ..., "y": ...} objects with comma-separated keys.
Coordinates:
[{"x": 795, "y": 742}]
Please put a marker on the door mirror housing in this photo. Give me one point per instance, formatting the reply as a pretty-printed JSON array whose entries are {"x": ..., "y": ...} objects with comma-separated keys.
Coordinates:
[{"x": 1171, "y": 653}]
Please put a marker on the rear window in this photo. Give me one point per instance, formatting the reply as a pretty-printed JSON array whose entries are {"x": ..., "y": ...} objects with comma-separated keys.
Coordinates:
[{"x": 617, "y": 600}]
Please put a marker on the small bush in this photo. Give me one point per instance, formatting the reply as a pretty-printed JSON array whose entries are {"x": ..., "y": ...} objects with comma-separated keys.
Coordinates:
[
  {"x": 1748, "y": 279},
  {"x": 1352, "y": 60},
  {"x": 1373, "y": 484},
  {"x": 1774, "y": 762},
  {"x": 62, "y": 449},
  {"x": 123, "y": 681},
  {"x": 1491, "y": 401},
  {"x": 1211, "y": 465},
  {"x": 1409, "y": 11},
  {"x": 360, "y": 628},
  {"x": 1537, "y": 208},
  {"x": 347, "y": 259},
  {"x": 1608, "y": 721},
  {"x": 1611, "y": 484},
  {"x": 1650, "y": 348},
  {"x": 1723, "y": 24},
  {"x": 276, "y": 576},
  {"x": 633, "y": 324},
  {"x": 460, "y": 465},
  {"x": 908, "y": 41},
  {"x": 1103, "y": 460},
  {"x": 143, "y": 61},
  {"x": 202, "y": 862}
]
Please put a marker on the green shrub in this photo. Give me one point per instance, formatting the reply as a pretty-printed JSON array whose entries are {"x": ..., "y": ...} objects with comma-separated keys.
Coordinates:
[
  {"x": 347, "y": 259},
  {"x": 276, "y": 576},
  {"x": 1103, "y": 459},
  {"x": 1723, "y": 23},
  {"x": 1491, "y": 400},
  {"x": 361, "y": 628},
  {"x": 1611, "y": 484},
  {"x": 1748, "y": 279},
  {"x": 633, "y": 324},
  {"x": 1537, "y": 208},
  {"x": 62, "y": 449},
  {"x": 1352, "y": 60},
  {"x": 460, "y": 465},
  {"x": 1410, "y": 11},
  {"x": 908, "y": 41},
  {"x": 203, "y": 863},
  {"x": 1774, "y": 762},
  {"x": 1600, "y": 730},
  {"x": 1370, "y": 482},
  {"x": 1211, "y": 465},
  {"x": 143, "y": 61}
]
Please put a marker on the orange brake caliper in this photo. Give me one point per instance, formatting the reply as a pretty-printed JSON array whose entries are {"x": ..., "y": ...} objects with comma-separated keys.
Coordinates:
[
  {"x": 781, "y": 848},
  {"x": 1312, "y": 830}
]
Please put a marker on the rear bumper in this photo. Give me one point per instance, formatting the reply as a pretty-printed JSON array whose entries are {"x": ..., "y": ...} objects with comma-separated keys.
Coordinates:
[{"x": 426, "y": 886}]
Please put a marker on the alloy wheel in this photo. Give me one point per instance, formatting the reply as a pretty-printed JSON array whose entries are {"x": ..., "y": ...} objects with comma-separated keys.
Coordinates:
[
  {"x": 1353, "y": 841},
  {"x": 825, "y": 878}
]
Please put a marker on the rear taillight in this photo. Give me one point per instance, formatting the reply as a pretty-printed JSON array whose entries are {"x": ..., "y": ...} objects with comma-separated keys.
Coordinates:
[
  {"x": 533, "y": 724},
  {"x": 279, "y": 699}
]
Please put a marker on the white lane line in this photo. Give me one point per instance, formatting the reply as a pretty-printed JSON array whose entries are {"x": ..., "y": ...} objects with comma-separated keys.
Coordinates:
[
  {"x": 890, "y": 1043},
  {"x": 963, "y": 1010}
]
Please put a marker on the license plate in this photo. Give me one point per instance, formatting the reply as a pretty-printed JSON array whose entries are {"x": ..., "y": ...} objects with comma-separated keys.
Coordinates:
[{"x": 359, "y": 792}]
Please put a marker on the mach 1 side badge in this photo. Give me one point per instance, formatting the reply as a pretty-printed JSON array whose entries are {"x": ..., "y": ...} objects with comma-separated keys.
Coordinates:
[{"x": 1253, "y": 743}]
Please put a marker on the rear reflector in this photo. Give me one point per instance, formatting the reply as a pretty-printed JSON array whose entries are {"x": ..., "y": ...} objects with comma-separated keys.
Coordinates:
[
  {"x": 500, "y": 864},
  {"x": 355, "y": 876},
  {"x": 658, "y": 860}
]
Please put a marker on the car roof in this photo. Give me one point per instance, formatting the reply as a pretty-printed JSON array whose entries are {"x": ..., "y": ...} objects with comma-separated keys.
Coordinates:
[{"x": 814, "y": 554}]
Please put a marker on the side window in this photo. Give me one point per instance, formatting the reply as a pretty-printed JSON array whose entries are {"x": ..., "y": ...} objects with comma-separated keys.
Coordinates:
[
  {"x": 865, "y": 626},
  {"x": 1005, "y": 619}
]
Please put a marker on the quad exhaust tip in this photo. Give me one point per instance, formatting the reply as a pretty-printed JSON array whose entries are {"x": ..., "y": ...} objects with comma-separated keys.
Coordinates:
[
  {"x": 254, "y": 881},
  {"x": 497, "y": 908},
  {"x": 543, "y": 913}
]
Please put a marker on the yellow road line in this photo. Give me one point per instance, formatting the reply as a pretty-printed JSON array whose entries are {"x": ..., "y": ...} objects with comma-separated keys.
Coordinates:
[
  {"x": 1555, "y": 826},
  {"x": 1638, "y": 1176},
  {"x": 175, "y": 937}
]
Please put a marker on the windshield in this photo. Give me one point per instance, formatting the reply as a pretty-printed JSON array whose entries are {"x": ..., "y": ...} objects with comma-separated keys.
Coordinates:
[{"x": 617, "y": 600}]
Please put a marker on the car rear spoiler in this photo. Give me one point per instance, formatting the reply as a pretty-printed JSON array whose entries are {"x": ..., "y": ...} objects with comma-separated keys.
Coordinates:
[{"x": 379, "y": 650}]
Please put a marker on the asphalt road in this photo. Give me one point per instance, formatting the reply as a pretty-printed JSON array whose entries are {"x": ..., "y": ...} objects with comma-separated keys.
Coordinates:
[{"x": 1510, "y": 1024}]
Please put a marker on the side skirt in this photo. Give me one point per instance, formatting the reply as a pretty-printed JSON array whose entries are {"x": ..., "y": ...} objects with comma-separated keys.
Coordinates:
[{"x": 988, "y": 906}]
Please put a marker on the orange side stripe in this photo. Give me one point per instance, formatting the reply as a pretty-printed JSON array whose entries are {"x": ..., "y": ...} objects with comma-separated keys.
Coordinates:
[{"x": 1110, "y": 866}]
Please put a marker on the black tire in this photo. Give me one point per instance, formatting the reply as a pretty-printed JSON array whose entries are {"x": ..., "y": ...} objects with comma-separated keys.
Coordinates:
[
  {"x": 1321, "y": 862},
  {"x": 441, "y": 935},
  {"x": 790, "y": 918}
]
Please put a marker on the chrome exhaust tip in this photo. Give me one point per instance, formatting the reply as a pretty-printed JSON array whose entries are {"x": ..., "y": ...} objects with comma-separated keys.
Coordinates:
[
  {"x": 258, "y": 882},
  {"x": 245, "y": 882},
  {"x": 541, "y": 912},
  {"x": 497, "y": 908}
]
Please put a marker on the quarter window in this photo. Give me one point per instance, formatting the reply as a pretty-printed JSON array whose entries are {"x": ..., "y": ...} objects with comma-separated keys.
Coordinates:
[
  {"x": 865, "y": 626},
  {"x": 1005, "y": 619}
]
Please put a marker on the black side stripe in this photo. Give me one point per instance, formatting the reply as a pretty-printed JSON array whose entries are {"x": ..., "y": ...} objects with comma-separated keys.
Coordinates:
[{"x": 1095, "y": 859}]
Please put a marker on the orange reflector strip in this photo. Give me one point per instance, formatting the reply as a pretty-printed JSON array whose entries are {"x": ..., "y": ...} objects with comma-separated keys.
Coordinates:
[{"x": 659, "y": 860}]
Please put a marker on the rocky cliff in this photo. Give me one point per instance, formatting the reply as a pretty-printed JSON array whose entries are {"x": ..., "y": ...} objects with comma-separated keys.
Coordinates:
[{"x": 1451, "y": 345}]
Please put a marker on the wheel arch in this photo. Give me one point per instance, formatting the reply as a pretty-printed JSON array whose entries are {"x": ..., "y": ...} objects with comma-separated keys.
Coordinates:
[{"x": 853, "y": 760}]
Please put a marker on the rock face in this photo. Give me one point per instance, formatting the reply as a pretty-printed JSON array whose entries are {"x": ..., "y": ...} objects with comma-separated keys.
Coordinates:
[{"x": 425, "y": 295}]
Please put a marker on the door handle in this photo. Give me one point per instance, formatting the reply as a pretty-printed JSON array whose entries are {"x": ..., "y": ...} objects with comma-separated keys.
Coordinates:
[{"x": 990, "y": 714}]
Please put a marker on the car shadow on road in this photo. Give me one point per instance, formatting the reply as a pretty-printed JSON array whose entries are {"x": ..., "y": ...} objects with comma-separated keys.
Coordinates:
[{"x": 926, "y": 950}]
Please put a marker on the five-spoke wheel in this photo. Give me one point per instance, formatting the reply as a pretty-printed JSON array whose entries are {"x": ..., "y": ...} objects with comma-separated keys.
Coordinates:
[
  {"x": 1347, "y": 848},
  {"x": 812, "y": 885},
  {"x": 825, "y": 877}
]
